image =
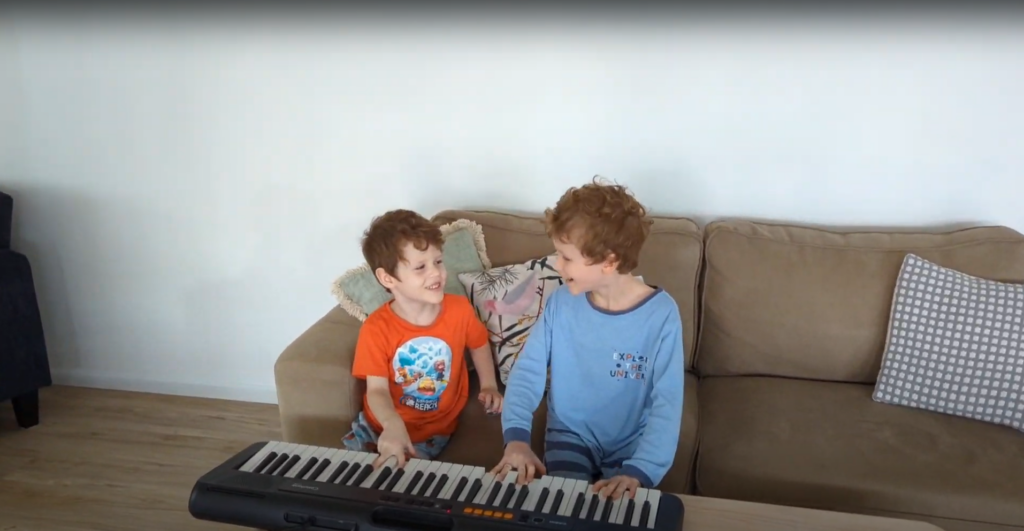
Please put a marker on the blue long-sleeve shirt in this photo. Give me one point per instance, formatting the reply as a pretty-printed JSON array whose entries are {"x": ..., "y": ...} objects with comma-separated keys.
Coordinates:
[{"x": 616, "y": 380}]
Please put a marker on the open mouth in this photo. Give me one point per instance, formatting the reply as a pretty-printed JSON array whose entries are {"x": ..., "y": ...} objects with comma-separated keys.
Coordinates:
[{"x": 434, "y": 287}]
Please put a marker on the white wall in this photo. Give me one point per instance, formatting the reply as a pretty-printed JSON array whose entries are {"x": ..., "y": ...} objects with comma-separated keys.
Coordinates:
[{"x": 187, "y": 192}]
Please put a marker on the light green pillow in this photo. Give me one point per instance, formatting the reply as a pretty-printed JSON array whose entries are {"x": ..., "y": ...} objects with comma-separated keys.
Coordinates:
[{"x": 359, "y": 293}]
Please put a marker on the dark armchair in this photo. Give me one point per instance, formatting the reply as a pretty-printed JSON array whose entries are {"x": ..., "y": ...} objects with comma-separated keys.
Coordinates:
[{"x": 24, "y": 364}]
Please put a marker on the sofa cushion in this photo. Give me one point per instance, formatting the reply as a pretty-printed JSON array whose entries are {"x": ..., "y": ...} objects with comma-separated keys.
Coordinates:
[
  {"x": 812, "y": 303},
  {"x": 671, "y": 258},
  {"x": 478, "y": 440},
  {"x": 828, "y": 445}
]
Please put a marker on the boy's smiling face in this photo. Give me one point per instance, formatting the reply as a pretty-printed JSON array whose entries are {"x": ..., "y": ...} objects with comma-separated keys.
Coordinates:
[
  {"x": 580, "y": 273},
  {"x": 420, "y": 275}
]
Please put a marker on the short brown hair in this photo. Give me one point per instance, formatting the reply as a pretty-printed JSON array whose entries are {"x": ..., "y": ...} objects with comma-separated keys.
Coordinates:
[
  {"x": 601, "y": 220},
  {"x": 383, "y": 240}
]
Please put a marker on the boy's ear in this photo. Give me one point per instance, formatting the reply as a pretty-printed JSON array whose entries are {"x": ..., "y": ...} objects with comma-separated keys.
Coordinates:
[
  {"x": 611, "y": 264},
  {"x": 384, "y": 278}
]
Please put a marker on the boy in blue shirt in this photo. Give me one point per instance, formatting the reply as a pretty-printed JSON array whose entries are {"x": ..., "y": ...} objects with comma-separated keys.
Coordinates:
[{"x": 614, "y": 347}]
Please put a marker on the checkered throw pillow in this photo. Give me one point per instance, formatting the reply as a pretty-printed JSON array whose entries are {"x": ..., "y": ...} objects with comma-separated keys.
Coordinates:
[{"x": 955, "y": 345}]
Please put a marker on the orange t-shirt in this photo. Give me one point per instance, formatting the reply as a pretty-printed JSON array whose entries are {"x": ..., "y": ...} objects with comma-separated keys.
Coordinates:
[{"x": 425, "y": 365}]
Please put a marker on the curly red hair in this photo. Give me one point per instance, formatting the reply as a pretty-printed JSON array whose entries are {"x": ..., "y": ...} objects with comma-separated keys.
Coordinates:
[
  {"x": 602, "y": 220},
  {"x": 388, "y": 233}
]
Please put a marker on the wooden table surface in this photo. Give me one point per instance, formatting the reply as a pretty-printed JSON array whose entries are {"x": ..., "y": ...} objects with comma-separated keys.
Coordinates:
[{"x": 121, "y": 461}]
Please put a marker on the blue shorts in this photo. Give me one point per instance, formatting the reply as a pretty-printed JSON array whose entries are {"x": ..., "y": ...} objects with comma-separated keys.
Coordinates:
[{"x": 363, "y": 438}]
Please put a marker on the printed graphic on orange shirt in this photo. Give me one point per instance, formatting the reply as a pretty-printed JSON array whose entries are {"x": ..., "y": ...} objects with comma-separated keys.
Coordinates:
[{"x": 421, "y": 367}]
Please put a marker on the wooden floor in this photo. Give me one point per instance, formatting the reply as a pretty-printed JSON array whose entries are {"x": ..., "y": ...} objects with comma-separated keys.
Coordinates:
[{"x": 112, "y": 460}]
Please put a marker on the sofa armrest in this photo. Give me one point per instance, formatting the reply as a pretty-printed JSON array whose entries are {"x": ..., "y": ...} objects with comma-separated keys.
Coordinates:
[
  {"x": 318, "y": 398},
  {"x": 24, "y": 362}
]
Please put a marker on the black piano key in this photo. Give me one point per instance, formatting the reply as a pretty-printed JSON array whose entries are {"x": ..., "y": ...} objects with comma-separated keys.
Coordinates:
[
  {"x": 510, "y": 490},
  {"x": 288, "y": 465},
  {"x": 426, "y": 484},
  {"x": 474, "y": 489},
  {"x": 630, "y": 507},
  {"x": 645, "y": 513},
  {"x": 352, "y": 470},
  {"x": 305, "y": 468},
  {"x": 577, "y": 506},
  {"x": 608, "y": 502},
  {"x": 410, "y": 488},
  {"x": 363, "y": 474},
  {"x": 385, "y": 473},
  {"x": 277, "y": 463},
  {"x": 337, "y": 472},
  {"x": 592, "y": 507},
  {"x": 395, "y": 478},
  {"x": 320, "y": 468},
  {"x": 557, "y": 502},
  {"x": 493, "y": 495},
  {"x": 459, "y": 487},
  {"x": 521, "y": 498},
  {"x": 269, "y": 458},
  {"x": 543, "y": 497},
  {"x": 441, "y": 481}
]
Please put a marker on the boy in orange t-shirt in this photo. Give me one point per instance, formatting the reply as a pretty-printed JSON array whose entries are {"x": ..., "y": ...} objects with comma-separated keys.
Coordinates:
[{"x": 410, "y": 350}]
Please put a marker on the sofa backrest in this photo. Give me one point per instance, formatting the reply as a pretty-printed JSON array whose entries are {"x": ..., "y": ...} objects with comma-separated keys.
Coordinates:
[
  {"x": 805, "y": 302},
  {"x": 671, "y": 257}
]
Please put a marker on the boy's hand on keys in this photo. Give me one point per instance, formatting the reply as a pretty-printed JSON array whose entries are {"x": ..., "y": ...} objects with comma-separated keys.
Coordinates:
[
  {"x": 519, "y": 457},
  {"x": 617, "y": 486},
  {"x": 394, "y": 442}
]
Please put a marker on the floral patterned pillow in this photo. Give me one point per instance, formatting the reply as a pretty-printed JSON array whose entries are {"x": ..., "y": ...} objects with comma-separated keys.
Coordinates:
[{"x": 508, "y": 300}]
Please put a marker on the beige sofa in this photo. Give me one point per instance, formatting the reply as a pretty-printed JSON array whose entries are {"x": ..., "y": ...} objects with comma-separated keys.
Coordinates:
[{"x": 784, "y": 328}]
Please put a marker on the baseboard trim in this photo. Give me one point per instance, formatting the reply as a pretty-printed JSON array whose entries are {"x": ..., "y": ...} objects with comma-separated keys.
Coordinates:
[{"x": 244, "y": 393}]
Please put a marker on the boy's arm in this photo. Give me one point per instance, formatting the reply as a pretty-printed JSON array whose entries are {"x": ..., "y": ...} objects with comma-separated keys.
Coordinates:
[
  {"x": 528, "y": 378},
  {"x": 657, "y": 449},
  {"x": 378, "y": 395},
  {"x": 372, "y": 363},
  {"x": 483, "y": 362},
  {"x": 478, "y": 341}
]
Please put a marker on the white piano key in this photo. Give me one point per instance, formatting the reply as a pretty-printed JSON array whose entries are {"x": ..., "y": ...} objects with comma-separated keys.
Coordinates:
[
  {"x": 573, "y": 489},
  {"x": 286, "y": 449},
  {"x": 366, "y": 459},
  {"x": 432, "y": 466},
  {"x": 485, "y": 492},
  {"x": 638, "y": 506},
  {"x": 352, "y": 459},
  {"x": 304, "y": 454},
  {"x": 411, "y": 466},
  {"x": 317, "y": 453},
  {"x": 257, "y": 458},
  {"x": 336, "y": 458},
  {"x": 320, "y": 456},
  {"x": 588, "y": 499},
  {"x": 441, "y": 471},
  {"x": 476, "y": 473},
  {"x": 536, "y": 486},
  {"x": 618, "y": 510},
  {"x": 601, "y": 502},
  {"x": 485, "y": 488},
  {"x": 517, "y": 489},
  {"x": 510, "y": 479},
  {"x": 389, "y": 462},
  {"x": 653, "y": 496},
  {"x": 454, "y": 475},
  {"x": 556, "y": 485}
]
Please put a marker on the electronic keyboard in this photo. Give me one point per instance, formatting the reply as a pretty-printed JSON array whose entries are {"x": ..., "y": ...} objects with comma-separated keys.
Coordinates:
[{"x": 277, "y": 486}]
